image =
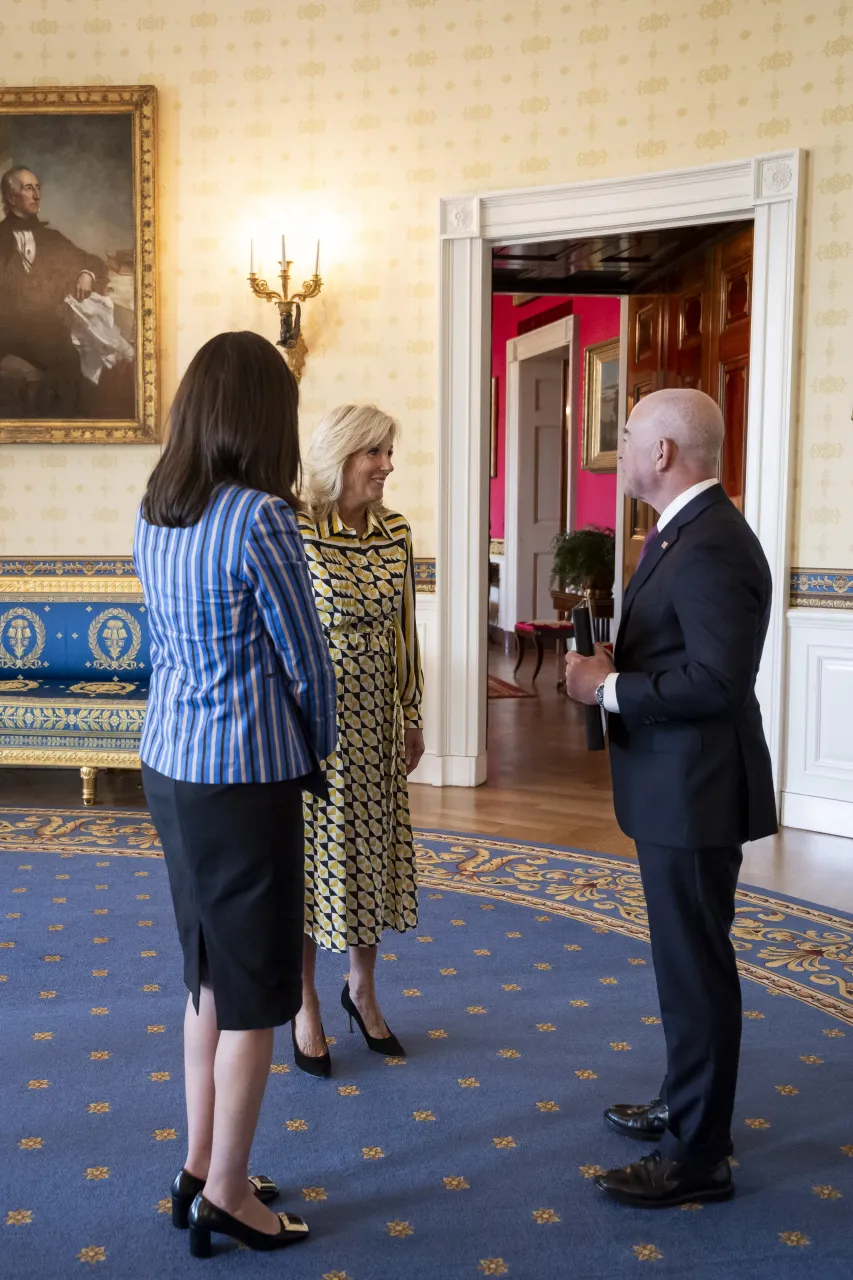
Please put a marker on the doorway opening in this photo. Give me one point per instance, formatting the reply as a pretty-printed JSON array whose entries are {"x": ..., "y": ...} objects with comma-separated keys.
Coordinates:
[
  {"x": 581, "y": 330},
  {"x": 767, "y": 189}
]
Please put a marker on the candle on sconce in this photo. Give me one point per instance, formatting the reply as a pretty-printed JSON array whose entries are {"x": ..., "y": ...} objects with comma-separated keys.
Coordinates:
[{"x": 288, "y": 304}]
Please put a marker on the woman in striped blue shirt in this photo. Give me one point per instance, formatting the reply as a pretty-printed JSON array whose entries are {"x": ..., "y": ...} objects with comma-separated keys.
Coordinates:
[{"x": 241, "y": 711}]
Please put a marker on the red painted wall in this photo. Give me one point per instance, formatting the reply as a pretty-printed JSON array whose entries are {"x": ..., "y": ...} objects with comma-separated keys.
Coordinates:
[{"x": 598, "y": 320}]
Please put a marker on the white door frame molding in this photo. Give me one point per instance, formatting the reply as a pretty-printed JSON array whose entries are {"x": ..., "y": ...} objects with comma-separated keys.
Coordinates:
[
  {"x": 619, "y": 524},
  {"x": 767, "y": 189},
  {"x": 548, "y": 340}
]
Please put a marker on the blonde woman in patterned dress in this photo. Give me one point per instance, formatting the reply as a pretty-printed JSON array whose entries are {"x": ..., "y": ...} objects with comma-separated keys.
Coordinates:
[{"x": 360, "y": 864}]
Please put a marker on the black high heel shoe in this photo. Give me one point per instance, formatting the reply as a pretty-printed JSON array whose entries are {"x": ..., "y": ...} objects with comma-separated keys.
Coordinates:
[
  {"x": 187, "y": 1186},
  {"x": 388, "y": 1045},
  {"x": 320, "y": 1067},
  {"x": 206, "y": 1218}
]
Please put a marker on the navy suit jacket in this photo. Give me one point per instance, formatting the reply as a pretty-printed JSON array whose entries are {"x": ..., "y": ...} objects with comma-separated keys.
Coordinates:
[{"x": 688, "y": 756}]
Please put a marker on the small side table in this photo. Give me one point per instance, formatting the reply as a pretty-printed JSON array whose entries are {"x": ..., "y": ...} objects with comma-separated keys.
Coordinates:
[{"x": 535, "y": 631}]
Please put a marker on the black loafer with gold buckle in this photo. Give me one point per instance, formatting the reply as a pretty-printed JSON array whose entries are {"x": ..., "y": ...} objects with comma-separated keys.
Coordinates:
[
  {"x": 207, "y": 1219},
  {"x": 186, "y": 1187}
]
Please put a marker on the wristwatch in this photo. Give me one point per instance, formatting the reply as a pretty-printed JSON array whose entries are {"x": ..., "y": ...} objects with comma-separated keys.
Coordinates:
[{"x": 599, "y": 695}]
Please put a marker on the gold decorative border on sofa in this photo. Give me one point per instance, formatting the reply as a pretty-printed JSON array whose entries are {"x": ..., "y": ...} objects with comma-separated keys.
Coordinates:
[
  {"x": 55, "y": 715},
  {"x": 113, "y": 576},
  {"x": 69, "y": 577},
  {"x": 127, "y": 589},
  {"x": 73, "y": 758}
]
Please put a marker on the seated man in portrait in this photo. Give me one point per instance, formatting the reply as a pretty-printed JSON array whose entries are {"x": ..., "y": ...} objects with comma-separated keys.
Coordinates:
[{"x": 39, "y": 269}]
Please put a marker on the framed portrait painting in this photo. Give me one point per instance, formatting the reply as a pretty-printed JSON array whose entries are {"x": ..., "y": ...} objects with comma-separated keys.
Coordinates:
[
  {"x": 78, "y": 333},
  {"x": 601, "y": 406}
]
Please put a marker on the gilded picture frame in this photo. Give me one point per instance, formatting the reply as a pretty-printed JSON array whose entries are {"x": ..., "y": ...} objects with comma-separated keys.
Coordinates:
[
  {"x": 78, "y": 278},
  {"x": 601, "y": 406}
]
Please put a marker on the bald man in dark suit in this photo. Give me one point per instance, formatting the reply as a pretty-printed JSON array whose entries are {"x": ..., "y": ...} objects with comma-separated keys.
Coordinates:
[{"x": 692, "y": 778}]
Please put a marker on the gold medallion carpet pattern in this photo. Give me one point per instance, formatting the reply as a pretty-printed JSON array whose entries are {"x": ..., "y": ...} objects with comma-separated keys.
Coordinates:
[{"x": 793, "y": 948}]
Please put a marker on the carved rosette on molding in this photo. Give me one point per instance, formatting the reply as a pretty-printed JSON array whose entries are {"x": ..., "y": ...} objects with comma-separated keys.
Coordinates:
[
  {"x": 460, "y": 217},
  {"x": 775, "y": 177}
]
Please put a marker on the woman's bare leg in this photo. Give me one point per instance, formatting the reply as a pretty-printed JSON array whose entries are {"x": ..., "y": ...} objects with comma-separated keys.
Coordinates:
[
  {"x": 309, "y": 1030},
  {"x": 362, "y": 985},
  {"x": 201, "y": 1036},
  {"x": 241, "y": 1072}
]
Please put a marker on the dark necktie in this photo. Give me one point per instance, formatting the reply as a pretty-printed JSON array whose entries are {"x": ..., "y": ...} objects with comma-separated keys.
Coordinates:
[{"x": 647, "y": 542}]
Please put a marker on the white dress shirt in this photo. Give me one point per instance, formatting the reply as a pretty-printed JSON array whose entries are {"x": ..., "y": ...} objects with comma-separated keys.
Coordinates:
[
  {"x": 26, "y": 242},
  {"x": 611, "y": 702}
]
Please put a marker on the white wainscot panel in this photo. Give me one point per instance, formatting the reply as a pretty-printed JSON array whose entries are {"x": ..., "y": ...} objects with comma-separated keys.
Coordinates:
[
  {"x": 818, "y": 791},
  {"x": 429, "y": 769}
]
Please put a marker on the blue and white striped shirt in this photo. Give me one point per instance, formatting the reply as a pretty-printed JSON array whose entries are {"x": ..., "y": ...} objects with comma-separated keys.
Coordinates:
[{"x": 241, "y": 669}]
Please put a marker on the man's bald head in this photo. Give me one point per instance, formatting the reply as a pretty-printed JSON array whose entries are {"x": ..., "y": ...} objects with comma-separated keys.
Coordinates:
[
  {"x": 689, "y": 418},
  {"x": 672, "y": 440}
]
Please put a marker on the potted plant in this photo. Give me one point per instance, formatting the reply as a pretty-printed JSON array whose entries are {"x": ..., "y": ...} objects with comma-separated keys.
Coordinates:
[{"x": 585, "y": 561}]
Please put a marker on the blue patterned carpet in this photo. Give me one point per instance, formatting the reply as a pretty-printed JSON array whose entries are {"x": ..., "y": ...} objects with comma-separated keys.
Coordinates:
[{"x": 526, "y": 1003}]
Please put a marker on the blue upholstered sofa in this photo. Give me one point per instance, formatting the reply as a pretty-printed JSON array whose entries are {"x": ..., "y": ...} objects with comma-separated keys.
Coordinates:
[{"x": 74, "y": 664}]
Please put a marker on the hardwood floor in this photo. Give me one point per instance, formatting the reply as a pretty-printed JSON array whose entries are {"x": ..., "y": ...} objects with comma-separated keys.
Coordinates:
[{"x": 543, "y": 785}]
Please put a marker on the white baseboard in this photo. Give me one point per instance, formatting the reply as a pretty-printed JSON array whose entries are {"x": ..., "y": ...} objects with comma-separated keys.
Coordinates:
[
  {"x": 450, "y": 771},
  {"x": 428, "y": 772},
  {"x": 817, "y": 813}
]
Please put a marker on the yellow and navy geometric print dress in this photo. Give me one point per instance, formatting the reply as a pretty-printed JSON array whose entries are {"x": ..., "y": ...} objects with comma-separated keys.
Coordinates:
[{"x": 360, "y": 861}]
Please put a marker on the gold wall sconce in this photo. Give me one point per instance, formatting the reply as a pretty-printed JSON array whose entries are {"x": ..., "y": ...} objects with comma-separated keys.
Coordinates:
[{"x": 289, "y": 305}]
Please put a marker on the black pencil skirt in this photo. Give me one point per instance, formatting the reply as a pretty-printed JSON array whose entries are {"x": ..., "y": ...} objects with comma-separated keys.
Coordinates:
[{"x": 235, "y": 854}]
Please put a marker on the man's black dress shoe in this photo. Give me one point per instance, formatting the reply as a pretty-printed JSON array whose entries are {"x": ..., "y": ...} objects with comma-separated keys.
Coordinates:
[
  {"x": 657, "y": 1183},
  {"x": 187, "y": 1186},
  {"x": 647, "y": 1122}
]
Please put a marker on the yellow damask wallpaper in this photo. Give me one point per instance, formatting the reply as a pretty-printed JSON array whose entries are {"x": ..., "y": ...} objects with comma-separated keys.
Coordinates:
[{"x": 351, "y": 117}]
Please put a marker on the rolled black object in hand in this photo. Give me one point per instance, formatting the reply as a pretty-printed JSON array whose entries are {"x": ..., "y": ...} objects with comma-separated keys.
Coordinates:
[{"x": 582, "y": 622}]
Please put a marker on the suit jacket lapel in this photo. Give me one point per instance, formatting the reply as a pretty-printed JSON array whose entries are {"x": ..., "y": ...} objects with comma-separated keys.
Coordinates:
[
  {"x": 664, "y": 540},
  {"x": 651, "y": 560}
]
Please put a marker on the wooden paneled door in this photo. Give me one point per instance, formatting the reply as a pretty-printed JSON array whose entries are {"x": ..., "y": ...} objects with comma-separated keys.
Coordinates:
[
  {"x": 729, "y": 362},
  {"x": 647, "y": 336},
  {"x": 695, "y": 333}
]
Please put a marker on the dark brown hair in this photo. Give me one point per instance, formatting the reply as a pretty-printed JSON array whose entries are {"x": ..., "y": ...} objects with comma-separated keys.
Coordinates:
[{"x": 234, "y": 420}]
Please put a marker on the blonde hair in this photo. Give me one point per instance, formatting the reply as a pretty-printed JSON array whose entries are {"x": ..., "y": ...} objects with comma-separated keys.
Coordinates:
[{"x": 347, "y": 430}]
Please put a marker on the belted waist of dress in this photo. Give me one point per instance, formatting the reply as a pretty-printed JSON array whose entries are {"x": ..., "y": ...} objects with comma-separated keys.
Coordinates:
[{"x": 362, "y": 635}]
